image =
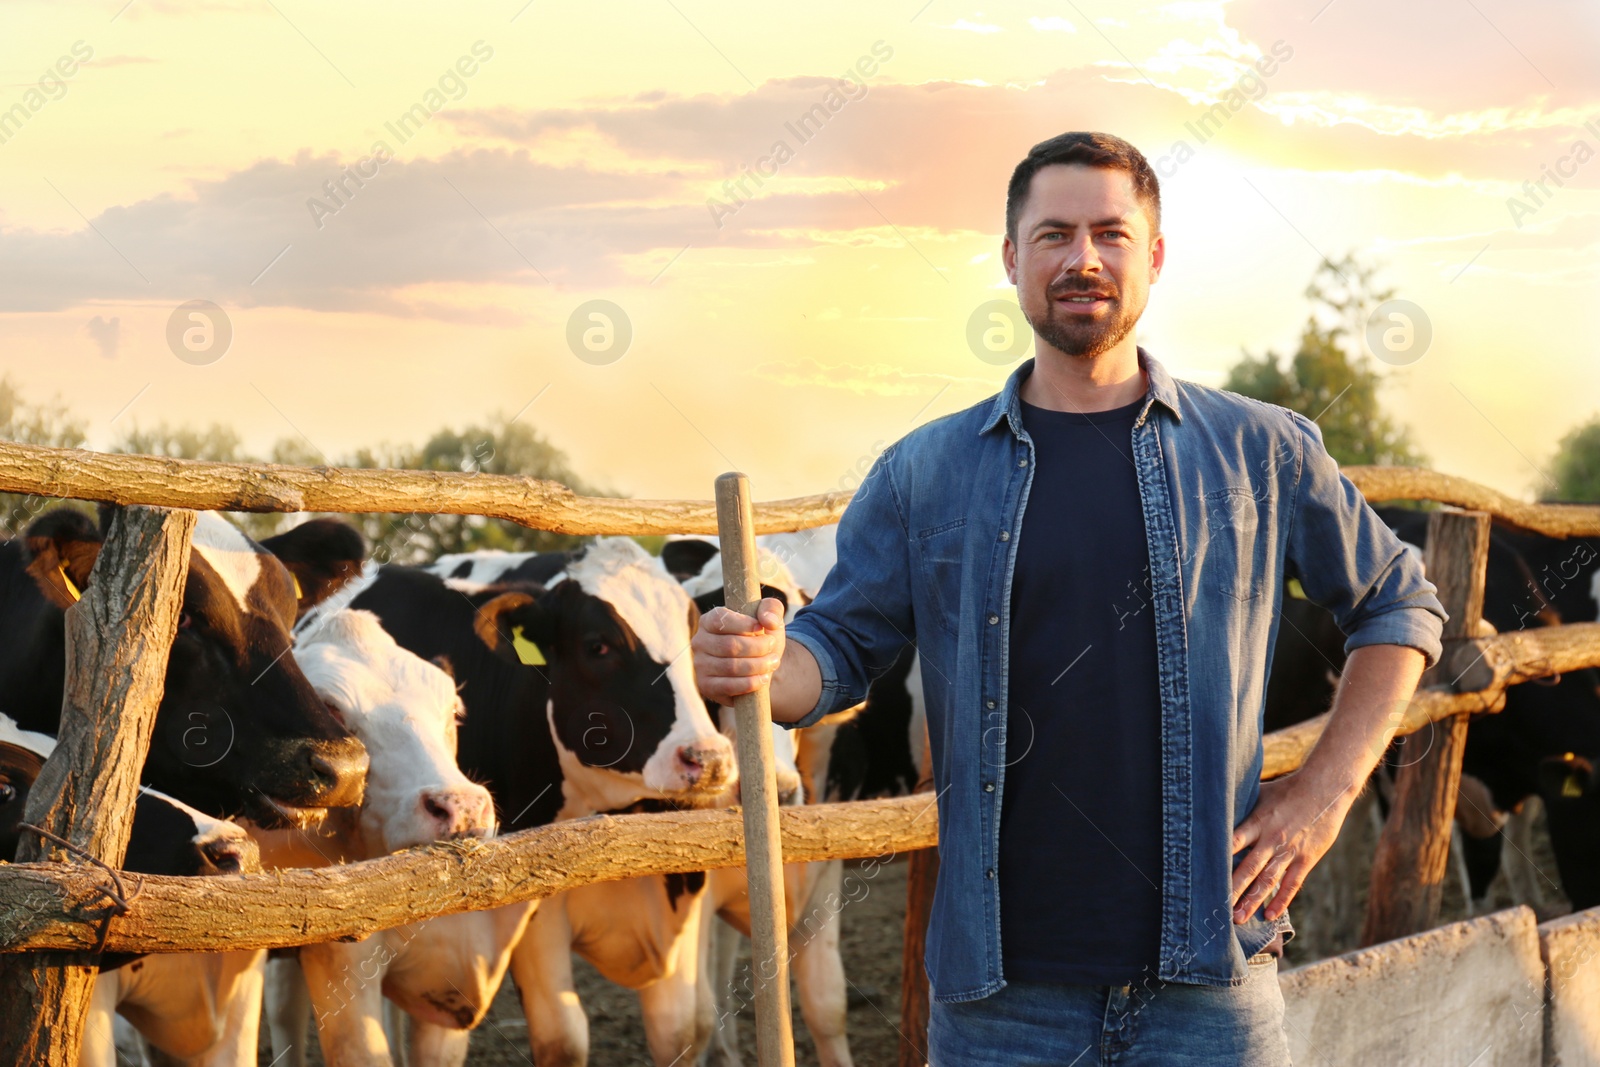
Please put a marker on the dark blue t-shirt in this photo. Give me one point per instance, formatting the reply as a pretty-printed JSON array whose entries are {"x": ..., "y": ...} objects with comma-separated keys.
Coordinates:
[{"x": 1080, "y": 823}]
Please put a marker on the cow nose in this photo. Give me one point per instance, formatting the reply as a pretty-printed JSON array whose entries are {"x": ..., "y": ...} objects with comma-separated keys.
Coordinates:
[
  {"x": 458, "y": 812},
  {"x": 705, "y": 765},
  {"x": 232, "y": 855},
  {"x": 340, "y": 770}
]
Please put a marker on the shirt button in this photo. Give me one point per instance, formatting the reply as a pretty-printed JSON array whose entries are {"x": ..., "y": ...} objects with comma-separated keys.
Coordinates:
[
  {"x": 989, "y": 874},
  {"x": 993, "y": 619},
  {"x": 990, "y": 703},
  {"x": 1023, "y": 462},
  {"x": 1005, "y": 535},
  {"x": 988, "y": 787}
]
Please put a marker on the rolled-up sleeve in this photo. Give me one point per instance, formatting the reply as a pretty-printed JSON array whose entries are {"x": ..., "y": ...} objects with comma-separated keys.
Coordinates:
[
  {"x": 862, "y": 617},
  {"x": 1352, "y": 564}
]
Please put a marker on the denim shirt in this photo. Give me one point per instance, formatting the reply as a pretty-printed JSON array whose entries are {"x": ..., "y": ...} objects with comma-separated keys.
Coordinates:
[{"x": 1238, "y": 496}]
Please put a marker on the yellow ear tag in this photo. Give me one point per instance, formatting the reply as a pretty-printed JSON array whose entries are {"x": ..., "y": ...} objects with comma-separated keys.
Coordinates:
[
  {"x": 1573, "y": 786},
  {"x": 527, "y": 651},
  {"x": 72, "y": 589},
  {"x": 298, "y": 593},
  {"x": 1296, "y": 590}
]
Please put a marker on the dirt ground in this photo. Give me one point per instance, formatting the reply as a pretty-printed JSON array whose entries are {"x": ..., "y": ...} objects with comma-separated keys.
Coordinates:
[{"x": 1327, "y": 917}]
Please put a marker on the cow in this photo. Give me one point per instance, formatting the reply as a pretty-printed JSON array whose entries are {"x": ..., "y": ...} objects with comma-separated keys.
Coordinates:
[
  {"x": 442, "y": 972},
  {"x": 188, "y": 1005},
  {"x": 1530, "y": 581},
  {"x": 578, "y": 686},
  {"x": 239, "y": 729}
]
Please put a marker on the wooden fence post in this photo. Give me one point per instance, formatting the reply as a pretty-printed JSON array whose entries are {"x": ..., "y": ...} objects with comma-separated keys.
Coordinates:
[
  {"x": 118, "y": 639},
  {"x": 922, "y": 875},
  {"x": 1413, "y": 851}
]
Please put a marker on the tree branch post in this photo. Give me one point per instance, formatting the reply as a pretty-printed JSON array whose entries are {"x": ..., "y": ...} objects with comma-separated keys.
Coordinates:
[
  {"x": 1414, "y": 848},
  {"x": 119, "y": 636}
]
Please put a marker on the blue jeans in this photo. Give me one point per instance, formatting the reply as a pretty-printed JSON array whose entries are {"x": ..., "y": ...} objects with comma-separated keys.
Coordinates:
[{"x": 1036, "y": 1024}]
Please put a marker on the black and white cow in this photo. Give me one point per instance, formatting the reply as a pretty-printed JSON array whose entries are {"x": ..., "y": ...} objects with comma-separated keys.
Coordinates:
[
  {"x": 442, "y": 972},
  {"x": 578, "y": 685},
  {"x": 1529, "y": 581},
  {"x": 186, "y": 1004},
  {"x": 239, "y": 729}
]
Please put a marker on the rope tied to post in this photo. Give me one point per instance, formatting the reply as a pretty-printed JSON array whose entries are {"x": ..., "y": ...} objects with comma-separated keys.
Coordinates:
[{"x": 121, "y": 899}]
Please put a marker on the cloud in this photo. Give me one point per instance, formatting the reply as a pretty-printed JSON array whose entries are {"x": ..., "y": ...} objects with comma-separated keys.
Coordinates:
[
  {"x": 106, "y": 334},
  {"x": 1052, "y": 24}
]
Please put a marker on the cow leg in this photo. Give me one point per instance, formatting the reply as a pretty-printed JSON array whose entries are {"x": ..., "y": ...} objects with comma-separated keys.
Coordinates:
[
  {"x": 288, "y": 1011},
  {"x": 344, "y": 982},
  {"x": 541, "y": 966},
  {"x": 678, "y": 1019},
  {"x": 722, "y": 958},
  {"x": 431, "y": 1045},
  {"x": 1524, "y": 879},
  {"x": 819, "y": 970},
  {"x": 99, "y": 1048}
]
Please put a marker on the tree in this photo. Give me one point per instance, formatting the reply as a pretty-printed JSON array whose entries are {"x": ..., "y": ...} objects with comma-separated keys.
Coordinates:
[
  {"x": 1577, "y": 466},
  {"x": 1329, "y": 379},
  {"x": 31, "y": 424},
  {"x": 501, "y": 447}
]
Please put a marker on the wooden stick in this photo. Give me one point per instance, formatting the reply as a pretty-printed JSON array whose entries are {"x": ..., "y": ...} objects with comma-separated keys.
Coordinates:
[
  {"x": 758, "y": 788},
  {"x": 118, "y": 640},
  {"x": 1414, "y": 848}
]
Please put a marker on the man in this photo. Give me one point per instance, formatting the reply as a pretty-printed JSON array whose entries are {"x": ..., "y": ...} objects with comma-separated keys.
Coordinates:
[{"x": 1091, "y": 564}]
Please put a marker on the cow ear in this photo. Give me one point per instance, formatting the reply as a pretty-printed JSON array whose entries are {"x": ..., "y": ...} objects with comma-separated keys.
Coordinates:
[
  {"x": 60, "y": 548},
  {"x": 322, "y": 554},
  {"x": 517, "y": 627},
  {"x": 687, "y": 558}
]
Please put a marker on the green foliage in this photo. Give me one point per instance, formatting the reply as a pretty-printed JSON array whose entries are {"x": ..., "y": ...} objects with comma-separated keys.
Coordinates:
[
  {"x": 32, "y": 424},
  {"x": 1577, "y": 466},
  {"x": 498, "y": 447},
  {"x": 217, "y": 443},
  {"x": 1329, "y": 379}
]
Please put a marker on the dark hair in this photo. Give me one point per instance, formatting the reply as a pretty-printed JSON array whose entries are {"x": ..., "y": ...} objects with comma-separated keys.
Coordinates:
[{"x": 1084, "y": 150}]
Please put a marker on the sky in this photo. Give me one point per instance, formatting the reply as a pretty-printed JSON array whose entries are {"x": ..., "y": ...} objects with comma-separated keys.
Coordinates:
[{"x": 401, "y": 215}]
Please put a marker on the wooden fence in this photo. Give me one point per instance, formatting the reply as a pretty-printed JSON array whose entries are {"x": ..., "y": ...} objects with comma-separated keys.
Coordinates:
[{"x": 55, "y": 911}]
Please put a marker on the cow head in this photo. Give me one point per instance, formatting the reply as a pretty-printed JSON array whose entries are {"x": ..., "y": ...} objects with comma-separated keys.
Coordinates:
[
  {"x": 613, "y": 634},
  {"x": 168, "y": 837},
  {"x": 239, "y": 729},
  {"x": 405, "y": 710},
  {"x": 22, "y": 754}
]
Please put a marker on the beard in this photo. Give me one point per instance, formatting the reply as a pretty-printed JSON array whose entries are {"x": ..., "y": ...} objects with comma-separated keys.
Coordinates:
[{"x": 1081, "y": 335}]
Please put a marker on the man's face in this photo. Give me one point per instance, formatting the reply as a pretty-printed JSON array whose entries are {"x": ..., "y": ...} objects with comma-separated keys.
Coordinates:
[{"x": 1084, "y": 258}]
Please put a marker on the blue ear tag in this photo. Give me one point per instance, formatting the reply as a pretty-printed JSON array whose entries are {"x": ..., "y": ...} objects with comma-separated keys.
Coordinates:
[{"x": 527, "y": 651}]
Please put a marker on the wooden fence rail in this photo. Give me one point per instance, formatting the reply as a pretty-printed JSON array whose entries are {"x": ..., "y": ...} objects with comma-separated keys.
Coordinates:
[
  {"x": 60, "y": 906},
  {"x": 78, "y": 474}
]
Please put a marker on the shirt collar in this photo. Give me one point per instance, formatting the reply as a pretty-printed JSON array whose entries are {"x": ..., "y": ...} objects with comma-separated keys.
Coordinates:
[{"x": 1008, "y": 404}]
